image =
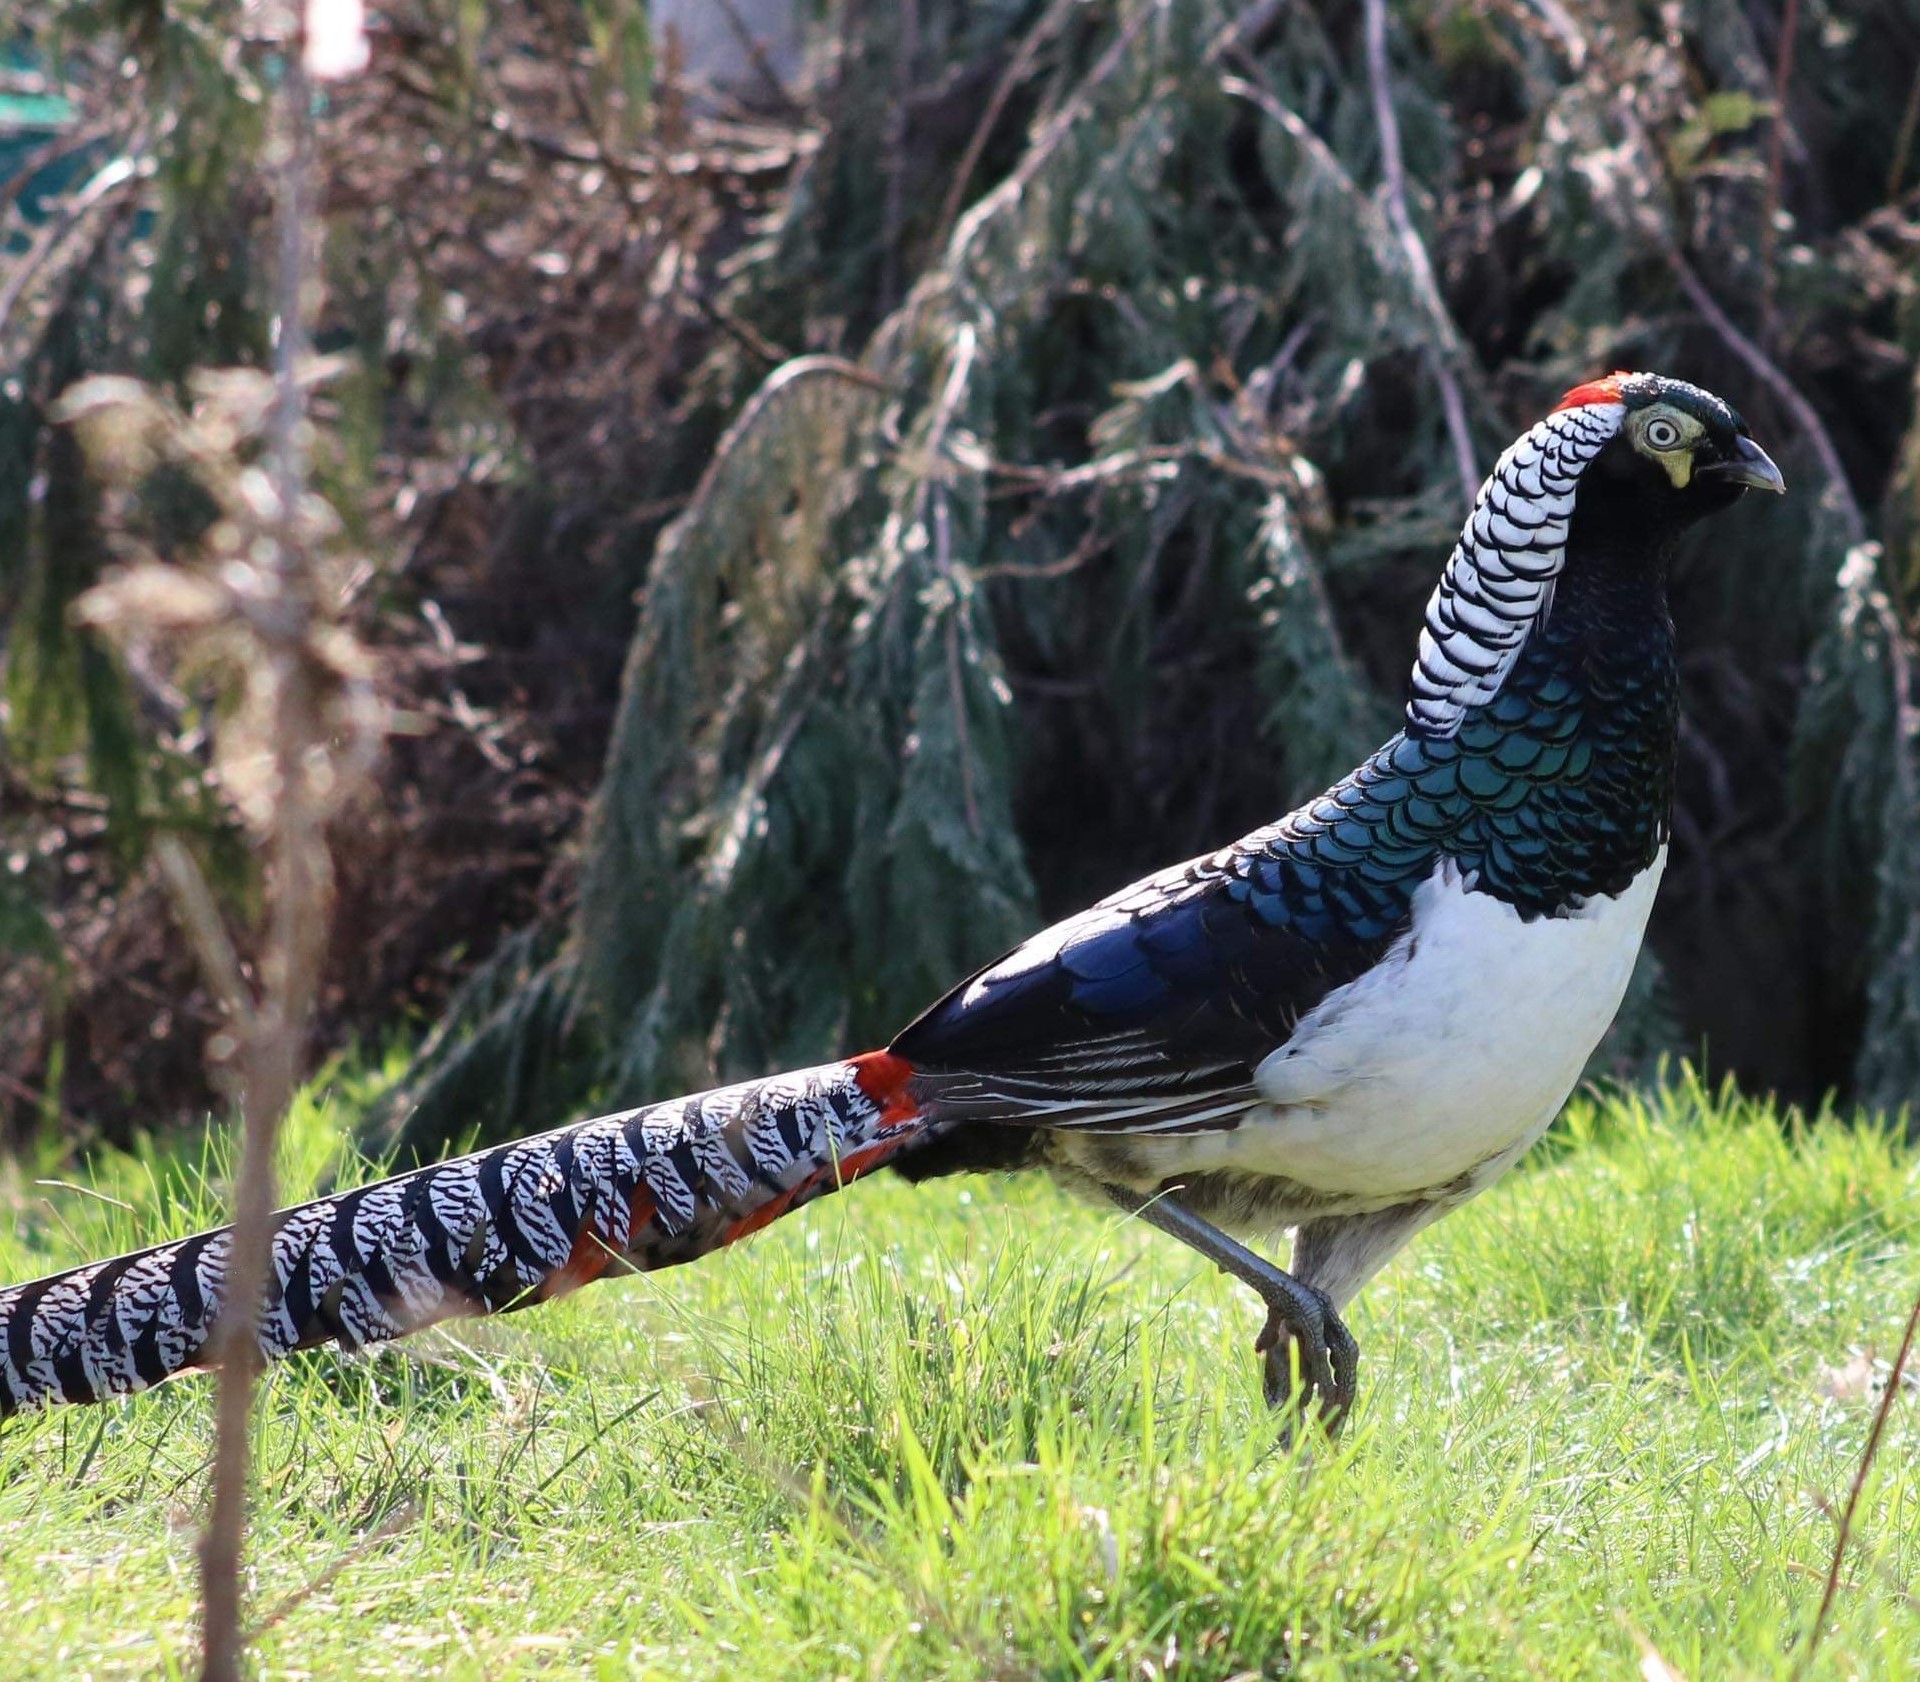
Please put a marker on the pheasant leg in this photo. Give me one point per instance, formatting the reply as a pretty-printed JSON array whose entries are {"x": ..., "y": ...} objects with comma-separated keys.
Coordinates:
[{"x": 1301, "y": 1321}]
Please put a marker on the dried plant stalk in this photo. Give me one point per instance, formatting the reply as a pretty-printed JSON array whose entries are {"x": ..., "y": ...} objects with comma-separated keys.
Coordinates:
[{"x": 253, "y": 610}]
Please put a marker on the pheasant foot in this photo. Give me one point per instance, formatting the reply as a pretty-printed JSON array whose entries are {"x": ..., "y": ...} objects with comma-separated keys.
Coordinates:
[{"x": 1312, "y": 1360}]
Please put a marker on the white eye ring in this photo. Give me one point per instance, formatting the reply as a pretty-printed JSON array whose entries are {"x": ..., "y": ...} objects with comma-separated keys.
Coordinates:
[{"x": 1662, "y": 434}]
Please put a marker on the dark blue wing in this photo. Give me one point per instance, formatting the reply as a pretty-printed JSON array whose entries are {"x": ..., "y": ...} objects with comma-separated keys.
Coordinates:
[{"x": 1152, "y": 1009}]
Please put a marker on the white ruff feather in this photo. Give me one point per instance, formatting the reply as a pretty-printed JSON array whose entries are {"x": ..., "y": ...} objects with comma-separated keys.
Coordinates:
[{"x": 1499, "y": 581}]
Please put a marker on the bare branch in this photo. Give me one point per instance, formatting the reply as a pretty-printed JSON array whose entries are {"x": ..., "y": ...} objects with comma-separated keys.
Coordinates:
[
  {"x": 1016, "y": 73},
  {"x": 1641, "y": 216},
  {"x": 1903, "y": 141},
  {"x": 933, "y": 490},
  {"x": 1246, "y": 29},
  {"x": 1062, "y": 123},
  {"x": 1443, "y": 343},
  {"x": 276, "y": 607},
  {"x": 194, "y": 905},
  {"x": 401, "y": 1518},
  {"x": 1647, "y": 220},
  {"x": 899, "y": 128},
  {"x": 1770, "y": 374},
  {"x": 630, "y": 174},
  {"x": 108, "y": 188},
  {"x": 1776, "y": 168},
  {"x": 756, "y": 52}
]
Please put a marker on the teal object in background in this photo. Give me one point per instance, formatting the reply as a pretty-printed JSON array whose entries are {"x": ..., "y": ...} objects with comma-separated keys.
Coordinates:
[
  {"x": 45, "y": 111},
  {"x": 28, "y": 120}
]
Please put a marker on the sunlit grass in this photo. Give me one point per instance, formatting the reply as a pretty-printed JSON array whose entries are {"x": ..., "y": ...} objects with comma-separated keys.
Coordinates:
[{"x": 974, "y": 1430}]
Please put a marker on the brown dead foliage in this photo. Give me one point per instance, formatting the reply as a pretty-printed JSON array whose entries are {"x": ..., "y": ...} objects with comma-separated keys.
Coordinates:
[{"x": 536, "y": 419}]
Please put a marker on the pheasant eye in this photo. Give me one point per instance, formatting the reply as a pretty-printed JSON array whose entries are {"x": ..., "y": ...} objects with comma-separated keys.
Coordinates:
[{"x": 1662, "y": 434}]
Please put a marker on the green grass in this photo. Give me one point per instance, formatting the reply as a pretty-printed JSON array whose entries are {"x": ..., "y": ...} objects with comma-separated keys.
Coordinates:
[{"x": 974, "y": 1430}]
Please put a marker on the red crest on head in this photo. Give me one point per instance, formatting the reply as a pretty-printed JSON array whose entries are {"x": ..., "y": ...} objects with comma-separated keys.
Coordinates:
[{"x": 1595, "y": 391}]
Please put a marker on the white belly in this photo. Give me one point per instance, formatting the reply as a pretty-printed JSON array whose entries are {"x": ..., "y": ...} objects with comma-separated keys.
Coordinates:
[{"x": 1450, "y": 1055}]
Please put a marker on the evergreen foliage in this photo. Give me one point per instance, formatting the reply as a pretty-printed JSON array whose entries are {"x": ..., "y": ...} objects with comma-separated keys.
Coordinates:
[
  {"x": 1091, "y": 521},
  {"x": 1140, "y": 356}
]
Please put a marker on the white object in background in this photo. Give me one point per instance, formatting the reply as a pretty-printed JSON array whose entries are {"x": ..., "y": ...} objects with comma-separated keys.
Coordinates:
[{"x": 336, "y": 39}]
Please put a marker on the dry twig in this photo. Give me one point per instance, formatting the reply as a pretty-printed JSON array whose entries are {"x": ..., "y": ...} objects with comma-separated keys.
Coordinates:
[
  {"x": 1443, "y": 343},
  {"x": 273, "y": 1027},
  {"x": 109, "y": 189},
  {"x": 1058, "y": 127},
  {"x": 252, "y": 608},
  {"x": 1903, "y": 141},
  {"x": 1640, "y": 215},
  {"x": 756, "y": 53},
  {"x": 401, "y": 1518},
  {"x": 1776, "y": 169},
  {"x": 932, "y": 505},
  {"x": 1867, "y": 1454},
  {"x": 1016, "y": 72},
  {"x": 899, "y": 136}
]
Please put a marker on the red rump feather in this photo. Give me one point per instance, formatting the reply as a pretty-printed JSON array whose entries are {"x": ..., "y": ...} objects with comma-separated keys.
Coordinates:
[
  {"x": 884, "y": 1079},
  {"x": 1595, "y": 391}
]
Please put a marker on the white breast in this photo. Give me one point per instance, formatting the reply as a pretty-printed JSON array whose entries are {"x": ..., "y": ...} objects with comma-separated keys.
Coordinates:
[{"x": 1456, "y": 1049}]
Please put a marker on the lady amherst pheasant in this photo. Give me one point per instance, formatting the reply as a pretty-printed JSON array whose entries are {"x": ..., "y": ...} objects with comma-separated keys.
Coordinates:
[{"x": 1347, "y": 1023}]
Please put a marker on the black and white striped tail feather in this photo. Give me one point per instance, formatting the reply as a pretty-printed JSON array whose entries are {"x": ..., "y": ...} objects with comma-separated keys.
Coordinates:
[{"x": 488, "y": 1232}]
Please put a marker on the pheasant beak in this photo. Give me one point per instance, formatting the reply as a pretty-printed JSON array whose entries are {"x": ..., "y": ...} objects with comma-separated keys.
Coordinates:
[{"x": 1748, "y": 465}]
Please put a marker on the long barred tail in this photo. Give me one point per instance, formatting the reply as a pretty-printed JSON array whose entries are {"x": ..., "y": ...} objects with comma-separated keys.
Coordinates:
[{"x": 498, "y": 1230}]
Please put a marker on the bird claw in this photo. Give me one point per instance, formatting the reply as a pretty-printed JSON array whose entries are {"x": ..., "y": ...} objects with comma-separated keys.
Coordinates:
[
  {"x": 1300, "y": 1317},
  {"x": 1325, "y": 1379}
]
